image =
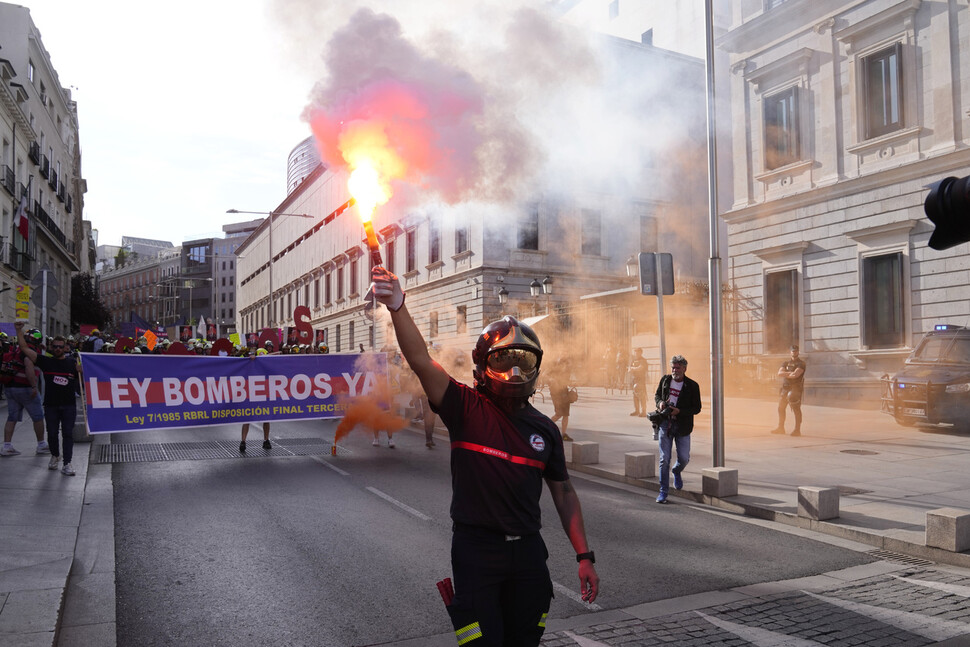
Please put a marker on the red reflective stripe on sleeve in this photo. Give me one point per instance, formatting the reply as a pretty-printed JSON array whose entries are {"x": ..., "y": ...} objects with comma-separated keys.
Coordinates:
[{"x": 498, "y": 453}]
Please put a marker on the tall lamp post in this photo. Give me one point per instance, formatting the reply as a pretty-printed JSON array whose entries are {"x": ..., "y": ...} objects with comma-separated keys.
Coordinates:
[{"x": 271, "y": 216}]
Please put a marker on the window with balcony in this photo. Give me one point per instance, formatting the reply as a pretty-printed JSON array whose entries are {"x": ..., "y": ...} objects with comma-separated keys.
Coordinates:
[
  {"x": 883, "y": 83},
  {"x": 354, "y": 272},
  {"x": 782, "y": 145}
]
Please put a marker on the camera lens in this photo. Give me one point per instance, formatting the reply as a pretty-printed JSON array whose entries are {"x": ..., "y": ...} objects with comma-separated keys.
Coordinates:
[{"x": 948, "y": 207}]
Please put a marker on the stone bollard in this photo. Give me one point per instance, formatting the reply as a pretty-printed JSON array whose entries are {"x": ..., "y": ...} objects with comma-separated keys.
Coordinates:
[
  {"x": 719, "y": 482},
  {"x": 818, "y": 503},
  {"x": 640, "y": 465},
  {"x": 949, "y": 529},
  {"x": 585, "y": 452}
]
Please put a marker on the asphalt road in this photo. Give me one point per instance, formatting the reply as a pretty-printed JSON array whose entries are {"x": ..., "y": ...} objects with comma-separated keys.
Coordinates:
[{"x": 345, "y": 550}]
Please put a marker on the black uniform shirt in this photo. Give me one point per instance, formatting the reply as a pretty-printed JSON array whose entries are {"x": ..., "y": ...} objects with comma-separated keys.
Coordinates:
[
  {"x": 499, "y": 461},
  {"x": 60, "y": 379},
  {"x": 790, "y": 366}
]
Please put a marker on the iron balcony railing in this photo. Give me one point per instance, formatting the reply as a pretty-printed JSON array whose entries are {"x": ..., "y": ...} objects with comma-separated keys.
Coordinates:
[{"x": 7, "y": 179}]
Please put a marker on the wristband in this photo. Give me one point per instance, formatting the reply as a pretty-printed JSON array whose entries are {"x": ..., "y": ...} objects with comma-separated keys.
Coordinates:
[{"x": 590, "y": 556}]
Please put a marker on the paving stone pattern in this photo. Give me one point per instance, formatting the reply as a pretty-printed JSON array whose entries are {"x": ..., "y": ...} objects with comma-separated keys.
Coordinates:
[{"x": 909, "y": 608}]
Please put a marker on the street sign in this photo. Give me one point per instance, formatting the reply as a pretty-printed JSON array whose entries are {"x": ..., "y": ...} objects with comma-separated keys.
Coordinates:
[
  {"x": 37, "y": 297},
  {"x": 649, "y": 284},
  {"x": 38, "y": 280}
]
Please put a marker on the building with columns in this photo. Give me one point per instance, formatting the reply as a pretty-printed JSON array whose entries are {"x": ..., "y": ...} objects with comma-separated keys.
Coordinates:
[{"x": 843, "y": 113}]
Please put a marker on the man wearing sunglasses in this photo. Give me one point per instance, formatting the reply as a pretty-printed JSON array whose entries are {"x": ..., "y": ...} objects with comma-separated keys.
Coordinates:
[
  {"x": 60, "y": 387},
  {"x": 502, "y": 449}
]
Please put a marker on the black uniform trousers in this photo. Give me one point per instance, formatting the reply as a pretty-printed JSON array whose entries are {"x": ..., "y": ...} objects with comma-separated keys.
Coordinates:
[{"x": 502, "y": 588}]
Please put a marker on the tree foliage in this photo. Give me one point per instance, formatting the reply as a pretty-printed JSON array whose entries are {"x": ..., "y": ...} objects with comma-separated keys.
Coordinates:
[{"x": 86, "y": 305}]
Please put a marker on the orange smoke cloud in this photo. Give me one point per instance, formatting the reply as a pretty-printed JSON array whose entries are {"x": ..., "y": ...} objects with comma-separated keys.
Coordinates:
[{"x": 366, "y": 413}]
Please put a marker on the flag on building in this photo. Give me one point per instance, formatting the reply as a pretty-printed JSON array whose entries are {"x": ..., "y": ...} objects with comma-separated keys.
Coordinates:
[{"x": 20, "y": 218}]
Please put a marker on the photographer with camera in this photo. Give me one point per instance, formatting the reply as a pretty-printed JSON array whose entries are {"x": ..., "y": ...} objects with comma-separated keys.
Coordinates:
[{"x": 678, "y": 400}]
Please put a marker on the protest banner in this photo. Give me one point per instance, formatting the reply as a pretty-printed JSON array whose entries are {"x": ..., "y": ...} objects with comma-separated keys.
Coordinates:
[{"x": 149, "y": 392}]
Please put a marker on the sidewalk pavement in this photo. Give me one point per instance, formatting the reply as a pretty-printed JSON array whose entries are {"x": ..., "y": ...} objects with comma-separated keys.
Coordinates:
[{"x": 53, "y": 526}]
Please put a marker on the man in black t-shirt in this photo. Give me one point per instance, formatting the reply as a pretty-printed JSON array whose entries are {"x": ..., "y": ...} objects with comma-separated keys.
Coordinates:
[
  {"x": 61, "y": 385},
  {"x": 502, "y": 449}
]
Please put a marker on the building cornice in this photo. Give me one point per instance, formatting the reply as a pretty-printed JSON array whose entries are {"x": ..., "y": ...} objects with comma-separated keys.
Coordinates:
[{"x": 942, "y": 164}]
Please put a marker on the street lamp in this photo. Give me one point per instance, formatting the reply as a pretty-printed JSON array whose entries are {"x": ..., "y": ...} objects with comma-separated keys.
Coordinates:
[
  {"x": 547, "y": 290},
  {"x": 535, "y": 288},
  {"x": 271, "y": 217},
  {"x": 503, "y": 296},
  {"x": 632, "y": 267}
]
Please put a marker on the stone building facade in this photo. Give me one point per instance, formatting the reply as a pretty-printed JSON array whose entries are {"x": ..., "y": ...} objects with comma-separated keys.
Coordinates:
[
  {"x": 40, "y": 158},
  {"x": 843, "y": 112}
]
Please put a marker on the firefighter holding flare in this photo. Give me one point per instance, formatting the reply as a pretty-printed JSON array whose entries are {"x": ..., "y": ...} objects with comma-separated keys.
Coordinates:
[{"x": 502, "y": 449}]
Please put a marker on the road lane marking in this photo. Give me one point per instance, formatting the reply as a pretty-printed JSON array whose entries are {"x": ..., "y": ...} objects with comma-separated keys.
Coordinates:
[
  {"x": 333, "y": 467},
  {"x": 915, "y": 623},
  {"x": 758, "y": 636},
  {"x": 573, "y": 595},
  {"x": 403, "y": 506},
  {"x": 955, "y": 589}
]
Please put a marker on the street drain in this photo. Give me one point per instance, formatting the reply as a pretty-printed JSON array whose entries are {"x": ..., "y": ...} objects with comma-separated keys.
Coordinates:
[
  {"x": 860, "y": 452},
  {"x": 154, "y": 452},
  {"x": 898, "y": 558}
]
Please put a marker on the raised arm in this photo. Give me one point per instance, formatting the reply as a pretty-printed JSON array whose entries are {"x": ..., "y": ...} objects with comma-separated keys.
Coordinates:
[
  {"x": 22, "y": 341},
  {"x": 434, "y": 379}
]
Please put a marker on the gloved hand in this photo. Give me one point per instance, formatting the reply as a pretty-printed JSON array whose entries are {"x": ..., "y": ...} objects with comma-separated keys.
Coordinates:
[{"x": 387, "y": 288}]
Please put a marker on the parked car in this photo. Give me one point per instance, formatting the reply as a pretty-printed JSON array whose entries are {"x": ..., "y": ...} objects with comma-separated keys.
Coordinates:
[{"x": 933, "y": 387}]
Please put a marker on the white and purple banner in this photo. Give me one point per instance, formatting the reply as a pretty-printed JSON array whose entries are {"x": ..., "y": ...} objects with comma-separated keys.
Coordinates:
[{"x": 145, "y": 392}]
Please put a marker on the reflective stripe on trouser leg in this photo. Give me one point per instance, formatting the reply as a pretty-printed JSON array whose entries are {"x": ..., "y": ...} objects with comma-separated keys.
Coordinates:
[
  {"x": 468, "y": 633},
  {"x": 542, "y": 620}
]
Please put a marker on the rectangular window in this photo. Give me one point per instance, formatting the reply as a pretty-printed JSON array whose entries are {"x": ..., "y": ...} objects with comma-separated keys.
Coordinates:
[
  {"x": 434, "y": 241},
  {"x": 432, "y": 325},
  {"x": 389, "y": 248},
  {"x": 461, "y": 239},
  {"x": 350, "y": 333},
  {"x": 591, "y": 232},
  {"x": 461, "y": 319},
  {"x": 410, "y": 242},
  {"x": 337, "y": 335},
  {"x": 781, "y": 310},
  {"x": 882, "y": 301},
  {"x": 354, "y": 271},
  {"x": 648, "y": 234},
  {"x": 883, "y": 78},
  {"x": 316, "y": 293},
  {"x": 340, "y": 283},
  {"x": 782, "y": 144},
  {"x": 327, "y": 288},
  {"x": 528, "y": 228}
]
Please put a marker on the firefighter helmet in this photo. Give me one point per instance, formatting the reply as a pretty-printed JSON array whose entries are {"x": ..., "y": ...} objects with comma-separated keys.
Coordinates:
[{"x": 507, "y": 358}]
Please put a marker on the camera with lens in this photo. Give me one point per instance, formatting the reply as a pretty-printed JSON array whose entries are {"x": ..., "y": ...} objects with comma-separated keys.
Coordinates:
[
  {"x": 656, "y": 417},
  {"x": 948, "y": 207}
]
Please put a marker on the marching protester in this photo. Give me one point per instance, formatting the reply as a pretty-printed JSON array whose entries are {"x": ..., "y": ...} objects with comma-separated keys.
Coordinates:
[
  {"x": 61, "y": 385},
  {"x": 23, "y": 393},
  {"x": 502, "y": 449}
]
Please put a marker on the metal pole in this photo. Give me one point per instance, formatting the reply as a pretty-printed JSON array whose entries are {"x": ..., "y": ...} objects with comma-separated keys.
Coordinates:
[
  {"x": 660, "y": 317},
  {"x": 43, "y": 306},
  {"x": 714, "y": 270},
  {"x": 272, "y": 304}
]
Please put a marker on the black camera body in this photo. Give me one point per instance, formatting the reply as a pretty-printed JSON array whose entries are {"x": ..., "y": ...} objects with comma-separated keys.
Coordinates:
[
  {"x": 656, "y": 417},
  {"x": 948, "y": 207}
]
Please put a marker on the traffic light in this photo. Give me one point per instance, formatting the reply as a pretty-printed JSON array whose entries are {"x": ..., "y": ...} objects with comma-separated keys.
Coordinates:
[
  {"x": 948, "y": 207},
  {"x": 648, "y": 273}
]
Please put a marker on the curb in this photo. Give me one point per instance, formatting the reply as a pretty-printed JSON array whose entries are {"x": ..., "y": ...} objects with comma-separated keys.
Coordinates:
[{"x": 737, "y": 505}]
